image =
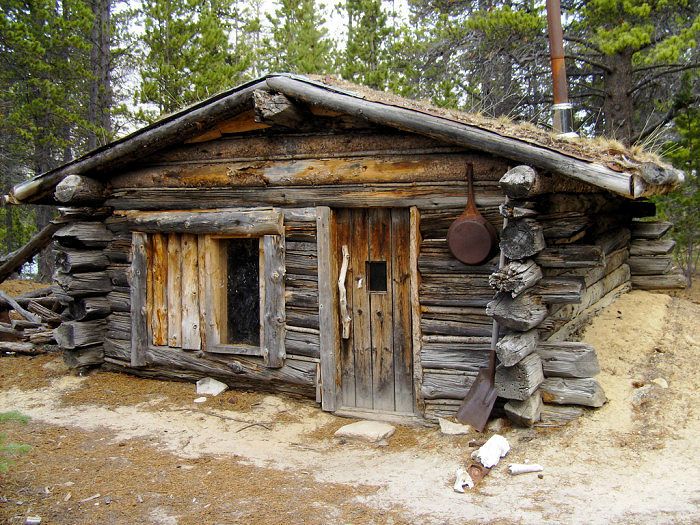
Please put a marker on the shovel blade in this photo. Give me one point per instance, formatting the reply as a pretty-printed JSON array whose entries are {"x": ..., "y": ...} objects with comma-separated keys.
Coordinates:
[{"x": 478, "y": 403}]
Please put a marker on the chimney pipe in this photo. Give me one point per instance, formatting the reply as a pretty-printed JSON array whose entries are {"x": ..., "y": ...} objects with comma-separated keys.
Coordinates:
[{"x": 562, "y": 110}]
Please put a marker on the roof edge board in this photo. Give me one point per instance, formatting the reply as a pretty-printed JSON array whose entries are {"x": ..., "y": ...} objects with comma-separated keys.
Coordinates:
[
  {"x": 457, "y": 133},
  {"x": 141, "y": 142}
]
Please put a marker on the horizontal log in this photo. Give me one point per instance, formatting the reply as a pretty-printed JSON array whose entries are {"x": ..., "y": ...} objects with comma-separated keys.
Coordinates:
[
  {"x": 446, "y": 385},
  {"x": 241, "y": 222},
  {"x": 568, "y": 359},
  {"x": 423, "y": 195},
  {"x": 454, "y": 290},
  {"x": 613, "y": 240},
  {"x": 522, "y": 313},
  {"x": 21, "y": 348},
  {"x": 525, "y": 413},
  {"x": 84, "y": 357},
  {"x": 117, "y": 349},
  {"x": 669, "y": 281},
  {"x": 593, "y": 275},
  {"x": 560, "y": 290},
  {"x": 441, "y": 408},
  {"x": 84, "y": 284},
  {"x": 299, "y": 343},
  {"x": 76, "y": 334},
  {"x": 561, "y": 391},
  {"x": 652, "y": 246},
  {"x": 119, "y": 274},
  {"x": 275, "y": 109},
  {"x": 435, "y": 257},
  {"x": 650, "y": 265},
  {"x": 564, "y": 225},
  {"x": 522, "y": 182},
  {"x": 41, "y": 337},
  {"x": 71, "y": 261},
  {"x": 434, "y": 222},
  {"x": 46, "y": 314},
  {"x": 75, "y": 189},
  {"x": 295, "y": 376},
  {"x": 84, "y": 234},
  {"x": 89, "y": 308},
  {"x": 12, "y": 303},
  {"x": 571, "y": 256},
  {"x": 521, "y": 380},
  {"x": 454, "y": 356},
  {"x": 650, "y": 229},
  {"x": 119, "y": 301},
  {"x": 512, "y": 348}
]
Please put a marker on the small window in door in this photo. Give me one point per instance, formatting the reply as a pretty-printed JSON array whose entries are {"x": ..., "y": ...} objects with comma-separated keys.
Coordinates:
[{"x": 376, "y": 270}]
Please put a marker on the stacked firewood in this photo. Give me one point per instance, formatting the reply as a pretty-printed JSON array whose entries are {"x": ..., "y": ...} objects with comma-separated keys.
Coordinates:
[{"x": 27, "y": 322}]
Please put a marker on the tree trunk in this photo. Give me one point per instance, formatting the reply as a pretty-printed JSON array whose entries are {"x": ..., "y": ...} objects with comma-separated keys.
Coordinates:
[{"x": 618, "y": 109}]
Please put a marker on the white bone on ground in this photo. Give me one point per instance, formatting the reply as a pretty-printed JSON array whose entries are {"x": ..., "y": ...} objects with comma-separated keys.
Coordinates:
[
  {"x": 463, "y": 479},
  {"x": 523, "y": 468},
  {"x": 492, "y": 451}
]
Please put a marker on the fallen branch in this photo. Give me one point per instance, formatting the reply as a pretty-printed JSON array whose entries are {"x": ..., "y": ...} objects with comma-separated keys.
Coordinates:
[
  {"x": 17, "y": 308},
  {"x": 16, "y": 259}
]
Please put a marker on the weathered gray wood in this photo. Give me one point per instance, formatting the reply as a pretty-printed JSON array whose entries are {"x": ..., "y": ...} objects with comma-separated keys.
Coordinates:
[
  {"x": 650, "y": 230},
  {"x": 139, "y": 317},
  {"x": 20, "y": 348},
  {"x": 454, "y": 356},
  {"x": 435, "y": 257},
  {"x": 454, "y": 290},
  {"x": 468, "y": 136},
  {"x": 46, "y": 314},
  {"x": 652, "y": 246},
  {"x": 119, "y": 301},
  {"x": 89, "y": 308},
  {"x": 81, "y": 261},
  {"x": 75, "y": 189},
  {"x": 650, "y": 265},
  {"x": 522, "y": 238},
  {"x": 76, "y": 334},
  {"x": 84, "y": 284},
  {"x": 614, "y": 240},
  {"x": 525, "y": 413},
  {"x": 83, "y": 357},
  {"x": 329, "y": 323},
  {"x": 561, "y": 391},
  {"x": 564, "y": 227},
  {"x": 560, "y": 290},
  {"x": 14, "y": 261},
  {"x": 302, "y": 343},
  {"x": 521, "y": 380},
  {"x": 669, "y": 281},
  {"x": 512, "y": 348},
  {"x": 522, "y": 182},
  {"x": 119, "y": 274},
  {"x": 39, "y": 336},
  {"x": 571, "y": 256},
  {"x": 558, "y": 415},
  {"x": 523, "y": 211},
  {"x": 591, "y": 276},
  {"x": 240, "y": 222},
  {"x": 29, "y": 316},
  {"x": 273, "y": 315},
  {"x": 416, "y": 333},
  {"x": 441, "y": 384},
  {"x": 516, "y": 277},
  {"x": 568, "y": 359},
  {"x": 375, "y": 195},
  {"x": 84, "y": 234},
  {"x": 522, "y": 313},
  {"x": 276, "y": 109},
  {"x": 117, "y": 349},
  {"x": 191, "y": 331}
]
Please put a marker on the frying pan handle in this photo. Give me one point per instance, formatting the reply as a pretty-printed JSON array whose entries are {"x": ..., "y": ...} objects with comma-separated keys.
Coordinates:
[
  {"x": 471, "y": 200},
  {"x": 343, "y": 294}
]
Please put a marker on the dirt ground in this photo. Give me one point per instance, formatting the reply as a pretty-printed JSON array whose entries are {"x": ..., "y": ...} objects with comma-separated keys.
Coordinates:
[{"x": 112, "y": 449}]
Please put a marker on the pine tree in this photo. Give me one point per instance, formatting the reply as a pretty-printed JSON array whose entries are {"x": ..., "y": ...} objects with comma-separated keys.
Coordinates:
[
  {"x": 299, "y": 43},
  {"x": 366, "y": 59}
]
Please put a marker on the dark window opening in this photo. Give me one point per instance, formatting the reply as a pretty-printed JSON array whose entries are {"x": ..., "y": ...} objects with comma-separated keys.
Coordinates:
[
  {"x": 377, "y": 276},
  {"x": 242, "y": 292}
]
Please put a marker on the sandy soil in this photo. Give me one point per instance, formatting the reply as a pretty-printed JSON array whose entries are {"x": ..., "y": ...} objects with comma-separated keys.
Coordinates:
[{"x": 154, "y": 456}]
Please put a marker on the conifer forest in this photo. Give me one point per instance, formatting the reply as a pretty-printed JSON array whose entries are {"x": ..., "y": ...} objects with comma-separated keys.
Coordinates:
[{"x": 76, "y": 74}]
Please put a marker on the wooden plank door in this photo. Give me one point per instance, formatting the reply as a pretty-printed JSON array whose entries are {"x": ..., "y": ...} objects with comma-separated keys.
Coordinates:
[{"x": 376, "y": 359}]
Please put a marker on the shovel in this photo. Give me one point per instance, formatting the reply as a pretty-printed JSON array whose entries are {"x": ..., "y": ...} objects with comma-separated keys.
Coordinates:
[{"x": 478, "y": 403}]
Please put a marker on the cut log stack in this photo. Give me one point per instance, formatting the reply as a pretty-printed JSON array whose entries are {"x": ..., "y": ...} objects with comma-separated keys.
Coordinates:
[
  {"x": 651, "y": 257},
  {"x": 84, "y": 280},
  {"x": 40, "y": 314},
  {"x": 543, "y": 287}
]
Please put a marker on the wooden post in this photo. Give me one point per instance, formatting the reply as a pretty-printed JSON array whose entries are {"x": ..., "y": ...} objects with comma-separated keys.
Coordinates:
[
  {"x": 190, "y": 294},
  {"x": 174, "y": 285},
  {"x": 138, "y": 283},
  {"x": 273, "y": 314}
]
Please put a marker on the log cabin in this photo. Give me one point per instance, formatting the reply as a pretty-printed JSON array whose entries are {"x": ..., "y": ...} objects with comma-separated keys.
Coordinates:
[{"x": 289, "y": 235}]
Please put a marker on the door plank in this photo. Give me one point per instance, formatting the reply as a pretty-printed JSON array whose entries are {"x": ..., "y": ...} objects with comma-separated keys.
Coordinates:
[
  {"x": 361, "y": 312},
  {"x": 402, "y": 333},
  {"x": 382, "y": 319},
  {"x": 347, "y": 356}
]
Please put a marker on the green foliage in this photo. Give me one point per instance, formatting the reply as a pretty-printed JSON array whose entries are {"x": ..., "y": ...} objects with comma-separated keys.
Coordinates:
[
  {"x": 9, "y": 450},
  {"x": 682, "y": 207},
  {"x": 298, "y": 42}
]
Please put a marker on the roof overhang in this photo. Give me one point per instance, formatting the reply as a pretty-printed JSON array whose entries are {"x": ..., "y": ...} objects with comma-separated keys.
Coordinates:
[{"x": 639, "y": 180}]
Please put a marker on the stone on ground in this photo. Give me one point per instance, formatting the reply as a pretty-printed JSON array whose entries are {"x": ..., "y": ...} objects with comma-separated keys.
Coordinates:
[
  {"x": 209, "y": 386},
  {"x": 451, "y": 428},
  {"x": 369, "y": 431}
]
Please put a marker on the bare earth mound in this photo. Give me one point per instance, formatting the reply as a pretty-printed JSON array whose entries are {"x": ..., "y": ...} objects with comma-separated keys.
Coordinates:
[{"x": 114, "y": 449}]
